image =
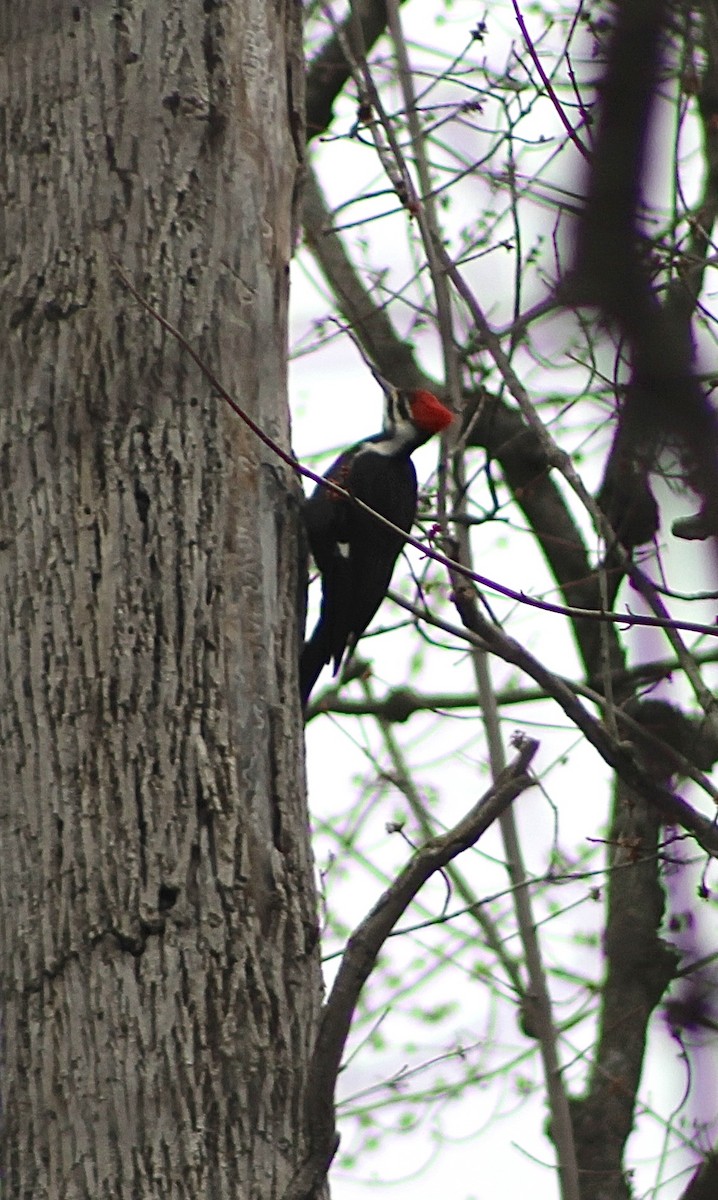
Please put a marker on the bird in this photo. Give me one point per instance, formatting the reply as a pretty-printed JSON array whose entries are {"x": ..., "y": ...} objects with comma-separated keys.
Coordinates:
[{"x": 354, "y": 553}]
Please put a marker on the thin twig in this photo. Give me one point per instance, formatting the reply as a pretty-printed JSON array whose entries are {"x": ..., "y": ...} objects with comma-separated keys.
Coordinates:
[
  {"x": 615, "y": 618},
  {"x": 477, "y": 909},
  {"x": 673, "y": 808},
  {"x": 549, "y": 86}
]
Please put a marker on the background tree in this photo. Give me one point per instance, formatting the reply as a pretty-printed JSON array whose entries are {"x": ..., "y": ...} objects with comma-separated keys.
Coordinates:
[{"x": 554, "y": 241}]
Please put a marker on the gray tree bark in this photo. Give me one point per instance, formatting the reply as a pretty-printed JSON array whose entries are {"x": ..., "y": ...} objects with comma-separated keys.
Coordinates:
[{"x": 157, "y": 911}]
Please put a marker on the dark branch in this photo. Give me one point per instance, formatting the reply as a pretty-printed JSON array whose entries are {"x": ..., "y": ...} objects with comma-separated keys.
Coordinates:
[{"x": 663, "y": 400}]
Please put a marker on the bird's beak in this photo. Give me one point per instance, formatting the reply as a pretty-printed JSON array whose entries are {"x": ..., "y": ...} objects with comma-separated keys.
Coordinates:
[
  {"x": 388, "y": 389},
  {"x": 391, "y": 403}
]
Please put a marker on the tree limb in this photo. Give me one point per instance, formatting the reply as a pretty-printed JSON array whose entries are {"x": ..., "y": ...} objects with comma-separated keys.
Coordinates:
[{"x": 361, "y": 954}]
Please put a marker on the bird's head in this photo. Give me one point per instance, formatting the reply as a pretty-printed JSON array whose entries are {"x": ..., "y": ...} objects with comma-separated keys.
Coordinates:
[{"x": 418, "y": 409}]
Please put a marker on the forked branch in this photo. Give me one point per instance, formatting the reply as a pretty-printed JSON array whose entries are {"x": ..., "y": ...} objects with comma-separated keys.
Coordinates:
[{"x": 360, "y": 956}]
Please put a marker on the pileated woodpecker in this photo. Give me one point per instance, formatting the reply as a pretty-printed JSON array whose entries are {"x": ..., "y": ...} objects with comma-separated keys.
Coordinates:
[{"x": 354, "y": 553}]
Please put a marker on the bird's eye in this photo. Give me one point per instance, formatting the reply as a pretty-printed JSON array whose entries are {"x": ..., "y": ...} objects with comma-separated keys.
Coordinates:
[{"x": 403, "y": 407}]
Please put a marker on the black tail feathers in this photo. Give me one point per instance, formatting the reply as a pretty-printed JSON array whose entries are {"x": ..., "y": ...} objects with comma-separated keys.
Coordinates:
[{"x": 316, "y": 654}]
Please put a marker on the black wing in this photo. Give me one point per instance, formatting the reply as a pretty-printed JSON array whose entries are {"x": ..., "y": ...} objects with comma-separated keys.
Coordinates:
[
  {"x": 388, "y": 485},
  {"x": 355, "y": 554}
]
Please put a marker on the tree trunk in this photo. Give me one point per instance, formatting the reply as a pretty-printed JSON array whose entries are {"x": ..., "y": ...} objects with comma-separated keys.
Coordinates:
[{"x": 157, "y": 911}]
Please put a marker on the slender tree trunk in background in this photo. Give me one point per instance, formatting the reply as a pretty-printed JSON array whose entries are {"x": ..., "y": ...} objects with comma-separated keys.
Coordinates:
[{"x": 157, "y": 911}]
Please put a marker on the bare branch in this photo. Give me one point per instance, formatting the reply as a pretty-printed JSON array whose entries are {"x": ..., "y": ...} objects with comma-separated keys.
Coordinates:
[
  {"x": 537, "y": 1012},
  {"x": 626, "y": 619},
  {"x": 548, "y": 85},
  {"x": 671, "y": 807},
  {"x": 361, "y": 954},
  {"x": 558, "y": 458},
  {"x": 477, "y": 909},
  {"x": 368, "y": 319},
  {"x": 689, "y": 745}
]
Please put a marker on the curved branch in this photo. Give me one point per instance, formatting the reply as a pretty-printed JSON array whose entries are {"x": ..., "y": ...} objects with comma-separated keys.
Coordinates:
[{"x": 361, "y": 954}]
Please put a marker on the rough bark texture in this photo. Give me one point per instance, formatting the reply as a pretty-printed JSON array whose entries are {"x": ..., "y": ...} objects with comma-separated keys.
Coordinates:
[{"x": 157, "y": 915}]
